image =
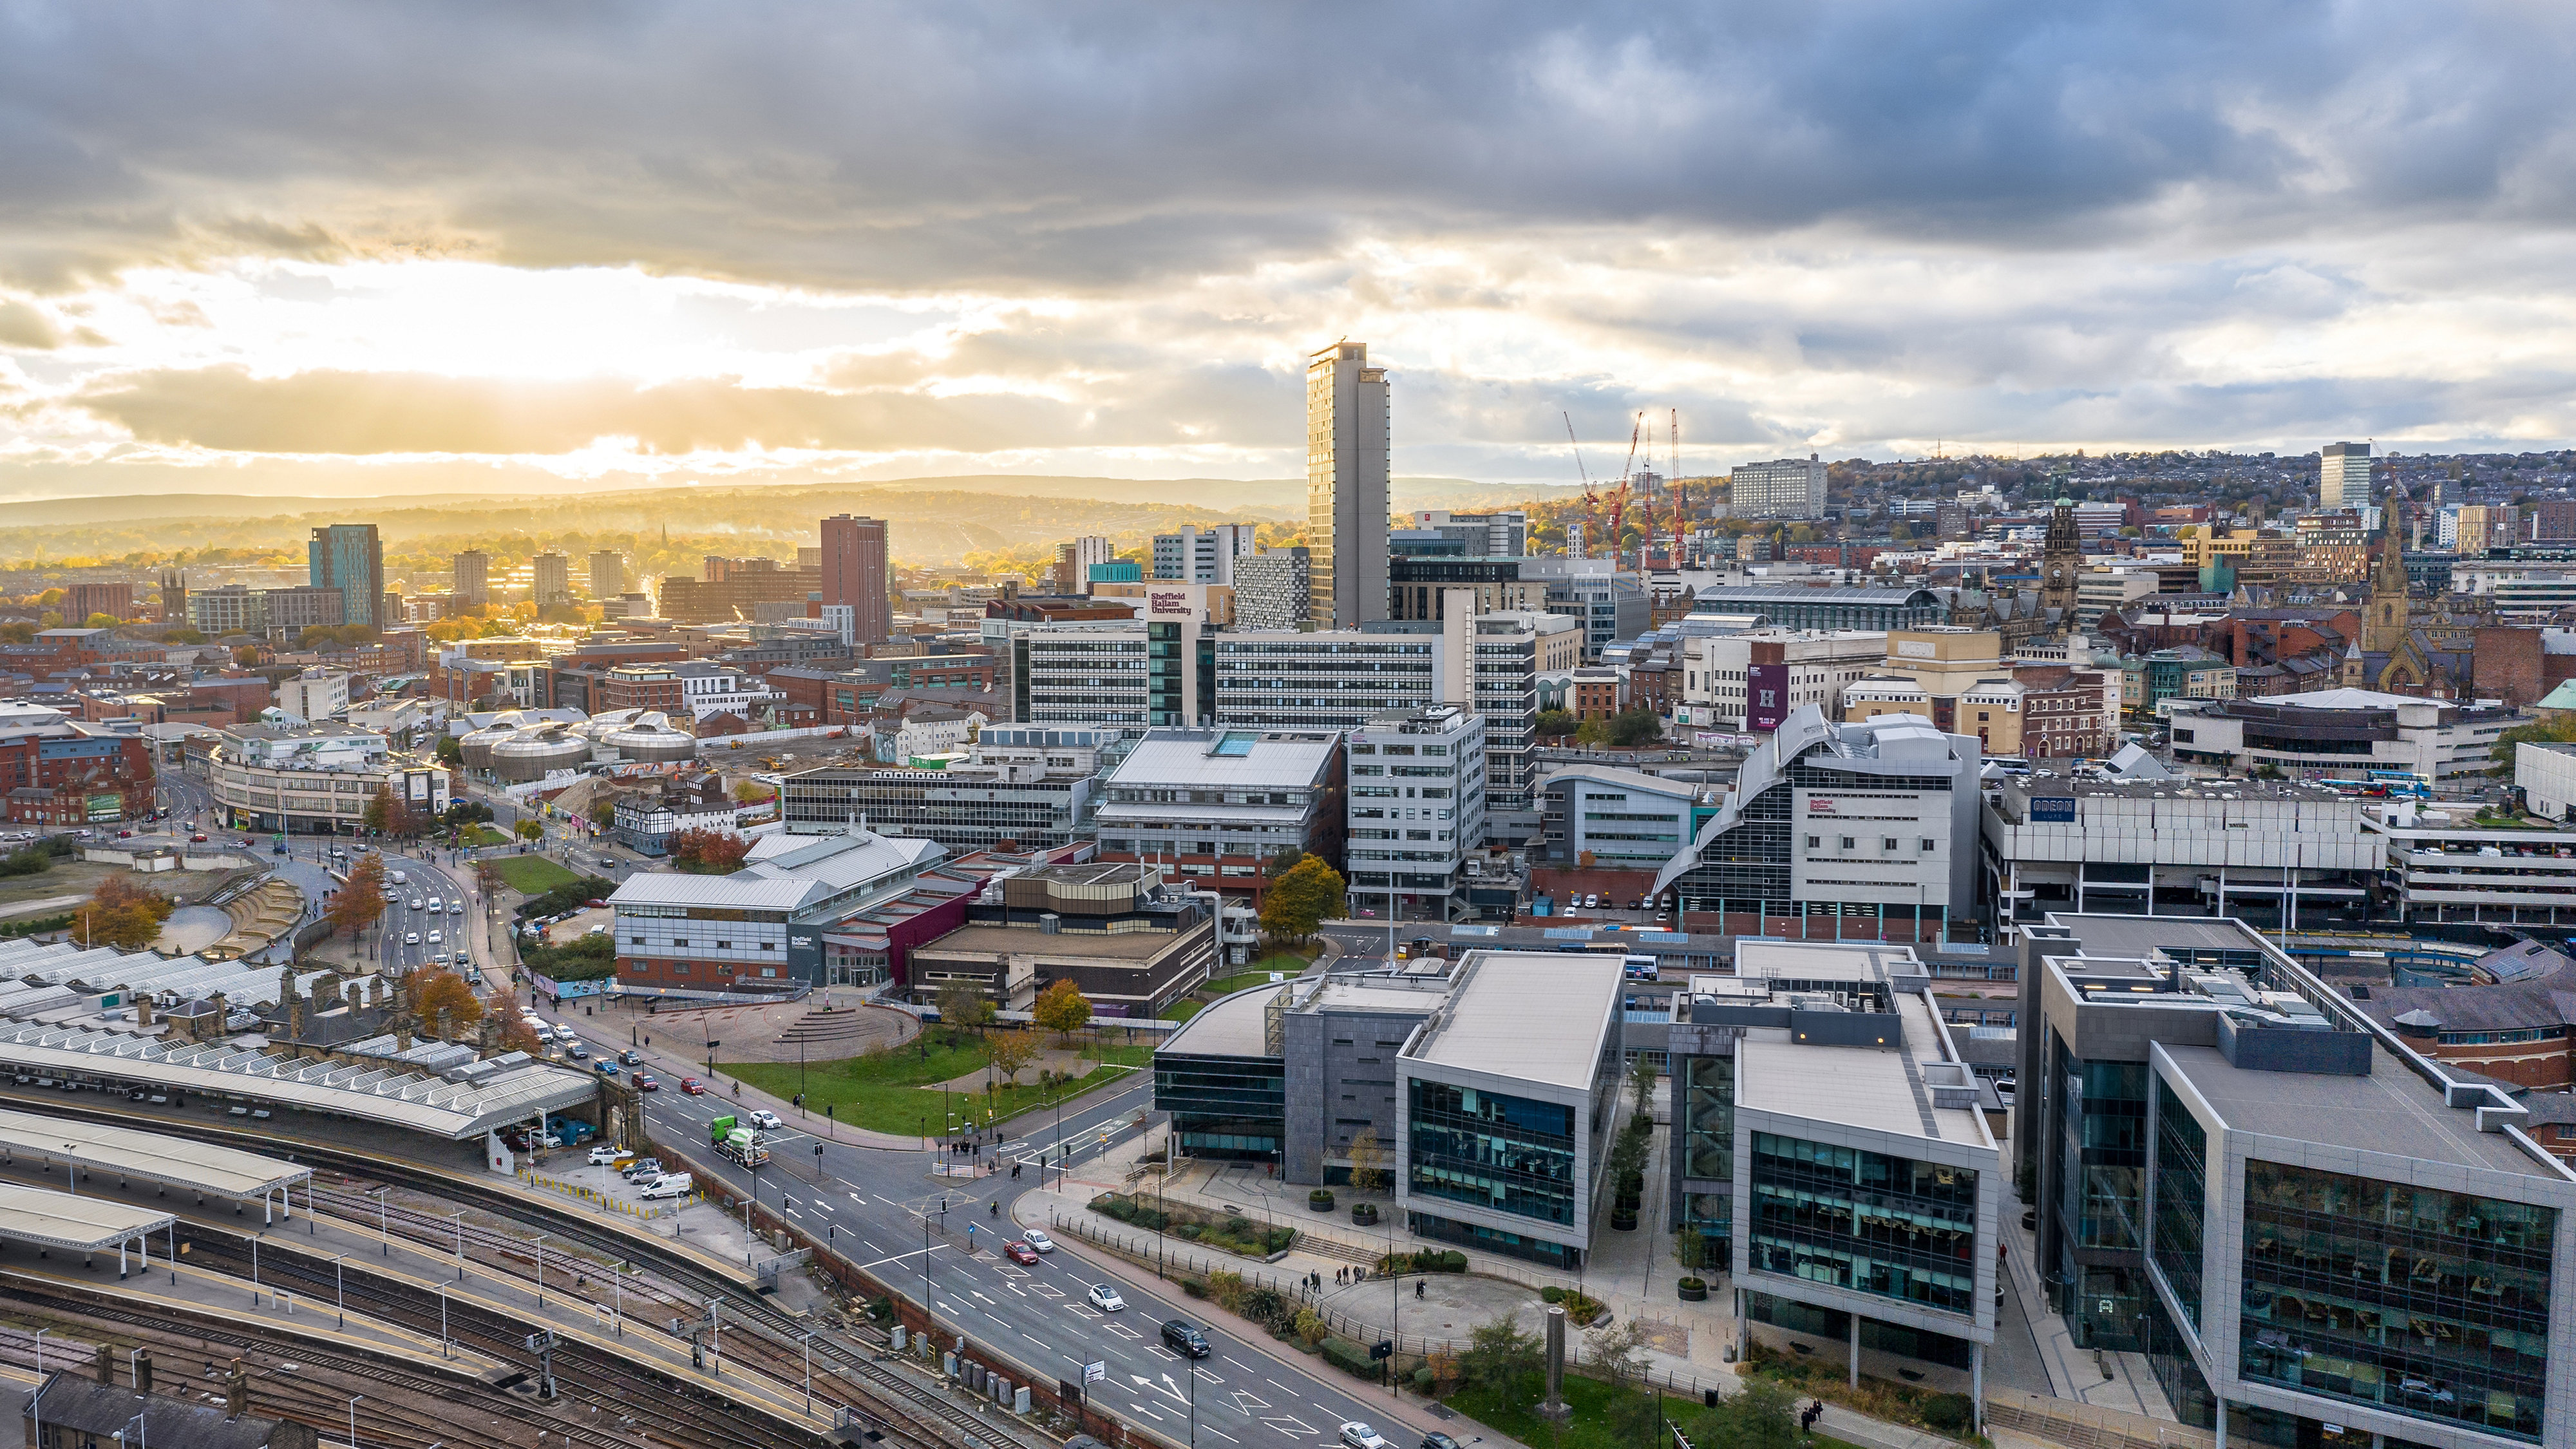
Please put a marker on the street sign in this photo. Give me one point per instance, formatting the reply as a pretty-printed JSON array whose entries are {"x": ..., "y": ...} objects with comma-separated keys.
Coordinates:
[
  {"x": 1094, "y": 1371},
  {"x": 1382, "y": 1349}
]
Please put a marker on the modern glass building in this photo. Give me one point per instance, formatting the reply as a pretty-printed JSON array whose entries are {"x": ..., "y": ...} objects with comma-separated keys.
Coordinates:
[{"x": 349, "y": 557}]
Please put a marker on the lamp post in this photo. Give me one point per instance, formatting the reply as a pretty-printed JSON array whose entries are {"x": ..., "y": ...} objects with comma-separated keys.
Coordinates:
[
  {"x": 458, "y": 1218},
  {"x": 340, "y": 1289},
  {"x": 444, "y": 1350},
  {"x": 808, "y": 1342},
  {"x": 353, "y": 1419},
  {"x": 36, "y": 1400},
  {"x": 537, "y": 1251}
]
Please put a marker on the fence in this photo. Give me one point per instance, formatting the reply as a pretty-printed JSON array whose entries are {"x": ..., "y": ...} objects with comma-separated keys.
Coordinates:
[
  {"x": 2089, "y": 1426},
  {"x": 663, "y": 1207}
]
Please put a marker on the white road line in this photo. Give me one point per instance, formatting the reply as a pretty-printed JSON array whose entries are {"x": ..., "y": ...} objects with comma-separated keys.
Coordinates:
[
  {"x": 1039, "y": 1342},
  {"x": 1220, "y": 1433}
]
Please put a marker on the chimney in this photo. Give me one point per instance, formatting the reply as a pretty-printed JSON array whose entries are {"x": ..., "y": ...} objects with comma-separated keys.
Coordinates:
[
  {"x": 143, "y": 1009},
  {"x": 236, "y": 1391},
  {"x": 402, "y": 1035},
  {"x": 143, "y": 1371},
  {"x": 104, "y": 1370},
  {"x": 376, "y": 991}
]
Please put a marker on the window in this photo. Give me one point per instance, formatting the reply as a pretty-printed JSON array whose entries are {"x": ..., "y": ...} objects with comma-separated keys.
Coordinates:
[
  {"x": 1930, "y": 846},
  {"x": 1887, "y": 843},
  {"x": 1849, "y": 843}
]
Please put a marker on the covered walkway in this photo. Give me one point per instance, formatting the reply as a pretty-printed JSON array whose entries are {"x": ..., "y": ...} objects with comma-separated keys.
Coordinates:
[
  {"x": 48, "y": 1220},
  {"x": 129, "y": 1154}
]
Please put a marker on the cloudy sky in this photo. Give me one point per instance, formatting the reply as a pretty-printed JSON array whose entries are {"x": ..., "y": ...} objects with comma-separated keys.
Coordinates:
[{"x": 352, "y": 249}]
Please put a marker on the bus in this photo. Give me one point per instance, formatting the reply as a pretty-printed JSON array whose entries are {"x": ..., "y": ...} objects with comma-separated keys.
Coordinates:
[{"x": 2401, "y": 782}]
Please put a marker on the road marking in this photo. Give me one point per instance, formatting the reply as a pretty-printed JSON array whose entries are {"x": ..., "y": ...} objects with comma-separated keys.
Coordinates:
[
  {"x": 1046, "y": 1290},
  {"x": 1083, "y": 1310},
  {"x": 1159, "y": 1351},
  {"x": 979, "y": 1295},
  {"x": 1246, "y": 1402},
  {"x": 1148, "y": 1413},
  {"x": 1283, "y": 1388},
  {"x": 821, "y": 1206},
  {"x": 1203, "y": 1373},
  {"x": 1220, "y": 1433},
  {"x": 1122, "y": 1330},
  {"x": 1238, "y": 1363},
  {"x": 1038, "y": 1341},
  {"x": 1293, "y": 1427}
]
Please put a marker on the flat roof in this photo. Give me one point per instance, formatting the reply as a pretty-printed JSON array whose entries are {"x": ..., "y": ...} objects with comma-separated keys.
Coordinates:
[
  {"x": 149, "y": 1156},
  {"x": 2390, "y": 1111},
  {"x": 1825, "y": 960},
  {"x": 1028, "y": 940},
  {"x": 2136, "y": 936},
  {"x": 1234, "y": 1025},
  {"x": 1857, "y": 1086},
  {"x": 1537, "y": 1016},
  {"x": 51, "y": 1219}
]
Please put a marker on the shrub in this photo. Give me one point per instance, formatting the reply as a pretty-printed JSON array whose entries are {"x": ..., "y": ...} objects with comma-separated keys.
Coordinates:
[
  {"x": 1321, "y": 1198},
  {"x": 1194, "y": 1288},
  {"x": 1551, "y": 1295},
  {"x": 1424, "y": 1379},
  {"x": 1426, "y": 1261},
  {"x": 1187, "y": 1232},
  {"x": 1239, "y": 1228},
  {"x": 1309, "y": 1327},
  {"x": 1949, "y": 1413},
  {"x": 1694, "y": 1283},
  {"x": 1350, "y": 1358}
]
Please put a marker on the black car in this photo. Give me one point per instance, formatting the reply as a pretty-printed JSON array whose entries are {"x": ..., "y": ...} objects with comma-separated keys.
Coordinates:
[
  {"x": 1185, "y": 1340},
  {"x": 1437, "y": 1440}
]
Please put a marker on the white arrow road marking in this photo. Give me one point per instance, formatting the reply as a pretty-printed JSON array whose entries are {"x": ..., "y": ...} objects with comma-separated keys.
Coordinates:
[
  {"x": 1220, "y": 1433},
  {"x": 1164, "y": 1388},
  {"x": 1148, "y": 1413}
]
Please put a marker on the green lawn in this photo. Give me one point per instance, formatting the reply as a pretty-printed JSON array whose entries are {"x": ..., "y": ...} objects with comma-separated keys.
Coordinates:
[
  {"x": 884, "y": 1092},
  {"x": 1183, "y": 1009},
  {"x": 1591, "y": 1426},
  {"x": 1258, "y": 974},
  {"x": 483, "y": 835},
  {"x": 532, "y": 875}
]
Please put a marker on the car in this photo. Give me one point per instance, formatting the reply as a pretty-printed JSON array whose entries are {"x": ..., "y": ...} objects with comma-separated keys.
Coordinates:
[
  {"x": 766, "y": 1121},
  {"x": 604, "y": 1155},
  {"x": 642, "y": 1169},
  {"x": 1437, "y": 1440},
  {"x": 693, "y": 1086},
  {"x": 411, "y": 938},
  {"x": 1019, "y": 1252},
  {"x": 670, "y": 1185},
  {"x": 414, "y": 903},
  {"x": 1184, "y": 1340},
  {"x": 1359, "y": 1435},
  {"x": 606, "y": 1067},
  {"x": 435, "y": 938},
  {"x": 431, "y": 905},
  {"x": 630, "y": 1056},
  {"x": 581, "y": 1053},
  {"x": 456, "y": 907},
  {"x": 2004, "y": 1090},
  {"x": 196, "y": 840},
  {"x": 125, "y": 835},
  {"x": 594, "y": 905},
  {"x": 1106, "y": 1299},
  {"x": 1590, "y": 900},
  {"x": 647, "y": 1082},
  {"x": 1038, "y": 1240}
]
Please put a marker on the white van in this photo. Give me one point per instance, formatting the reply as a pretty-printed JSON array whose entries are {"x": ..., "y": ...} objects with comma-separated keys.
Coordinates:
[
  {"x": 670, "y": 1184},
  {"x": 397, "y": 877}
]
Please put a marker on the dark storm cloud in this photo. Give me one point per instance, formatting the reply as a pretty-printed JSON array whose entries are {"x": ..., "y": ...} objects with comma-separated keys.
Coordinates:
[{"x": 1073, "y": 147}]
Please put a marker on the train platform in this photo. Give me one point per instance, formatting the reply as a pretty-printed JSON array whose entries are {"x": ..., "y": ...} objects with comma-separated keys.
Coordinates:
[{"x": 219, "y": 1298}]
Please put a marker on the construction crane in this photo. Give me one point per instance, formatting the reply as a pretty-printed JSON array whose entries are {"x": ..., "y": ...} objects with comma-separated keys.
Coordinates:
[
  {"x": 1591, "y": 500},
  {"x": 1627, "y": 477}
]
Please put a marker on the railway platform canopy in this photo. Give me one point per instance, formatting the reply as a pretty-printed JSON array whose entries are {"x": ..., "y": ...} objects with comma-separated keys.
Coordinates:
[
  {"x": 458, "y": 1103},
  {"x": 43, "y": 1218},
  {"x": 132, "y": 1155}
]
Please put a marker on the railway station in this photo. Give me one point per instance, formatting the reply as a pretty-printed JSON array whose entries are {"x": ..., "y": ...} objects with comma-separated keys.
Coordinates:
[
  {"x": 131, "y": 1155},
  {"x": 47, "y": 1220}
]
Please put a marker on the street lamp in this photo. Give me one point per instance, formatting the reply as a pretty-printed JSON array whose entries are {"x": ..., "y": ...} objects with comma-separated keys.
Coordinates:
[
  {"x": 353, "y": 1419},
  {"x": 340, "y": 1289},
  {"x": 445, "y": 1349}
]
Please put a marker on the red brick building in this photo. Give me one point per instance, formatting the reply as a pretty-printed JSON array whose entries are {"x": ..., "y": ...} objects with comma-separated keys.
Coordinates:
[
  {"x": 82, "y": 600},
  {"x": 56, "y": 770}
]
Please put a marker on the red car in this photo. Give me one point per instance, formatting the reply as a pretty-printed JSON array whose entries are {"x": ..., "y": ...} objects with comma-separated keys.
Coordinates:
[
  {"x": 693, "y": 1086},
  {"x": 1020, "y": 1253},
  {"x": 647, "y": 1082},
  {"x": 196, "y": 840}
]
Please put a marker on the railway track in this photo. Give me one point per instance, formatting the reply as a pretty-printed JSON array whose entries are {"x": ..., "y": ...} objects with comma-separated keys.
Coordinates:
[{"x": 894, "y": 1401}]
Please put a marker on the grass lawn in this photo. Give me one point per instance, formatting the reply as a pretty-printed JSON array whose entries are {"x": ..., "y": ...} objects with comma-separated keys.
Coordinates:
[
  {"x": 532, "y": 875},
  {"x": 483, "y": 835},
  {"x": 1183, "y": 1009},
  {"x": 1591, "y": 1426},
  {"x": 1258, "y": 974},
  {"x": 884, "y": 1092}
]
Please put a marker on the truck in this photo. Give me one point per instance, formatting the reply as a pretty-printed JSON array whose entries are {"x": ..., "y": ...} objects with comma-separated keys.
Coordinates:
[{"x": 737, "y": 1142}]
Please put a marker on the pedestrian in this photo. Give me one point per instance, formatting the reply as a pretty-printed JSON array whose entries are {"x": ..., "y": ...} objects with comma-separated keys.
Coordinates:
[{"x": 1417, "y": 1290}]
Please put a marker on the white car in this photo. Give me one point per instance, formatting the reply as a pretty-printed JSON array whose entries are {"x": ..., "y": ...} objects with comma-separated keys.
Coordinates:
[
  {"x": 411, "y": 938},
  {"x": 415, "y": 903},
  {"x": 1038, "y": 1240},
  {"x": 456, "y": 907},
  {"x": 1106, "y": 1299},
  {"x": 1360, "y": 1436},
  {"x": 435, "y": 938},
  {"x": 431, "y": 905},
  {"x": 767, "y": 1121},
  {"x": 603, "y": 1155}
]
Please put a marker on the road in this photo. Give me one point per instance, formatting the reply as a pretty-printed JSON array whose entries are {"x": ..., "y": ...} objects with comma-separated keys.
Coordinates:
[{"x": 886, "y": 1200}]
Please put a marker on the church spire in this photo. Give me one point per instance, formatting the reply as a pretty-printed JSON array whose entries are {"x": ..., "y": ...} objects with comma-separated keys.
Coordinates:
[{"x": 2061, "y": 557}]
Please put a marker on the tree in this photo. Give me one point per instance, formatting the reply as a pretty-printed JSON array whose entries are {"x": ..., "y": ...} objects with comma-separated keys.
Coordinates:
[
  {"x": 384, "y": 811},
  {"x": 1502, "y": 1360},
  {"x": 361, "y": 901},
  {"x": 449, "y": 752},
  {"x": 121, "y": 914},
  {"x": 1555, "y": 723},
  {"x": 1763, "y": 1414},
  {"x": 528, "y": 830},
  {"x": 2549, "y": 731},
  {"x": 1062, "y": 1008},
  {"x": 1368, "y": 1162},
  {"x": 1011, "y": 1051},
  {"x": 602, "y": 812},
  {"x": 447, "y": 1007},
  {"x": 100, "y": 621},
  {"x": 1634, "y": 726},
  {"x": 1300, "y": 900},
  {"x": 518, "y": 1034},
  {"x": 1592, "y": 734},
  {"x": 963, "y": 1007},
  {"x": 1283, "y": 861},
  {"x": 1617, "y": 1352},
  {"x": 709, "y": 852}
]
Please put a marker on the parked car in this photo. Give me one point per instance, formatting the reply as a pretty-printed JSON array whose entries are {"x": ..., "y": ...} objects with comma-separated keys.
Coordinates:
[
  {"x": 1039, "y": 1241},
  {"x": 1019, "y": 1252},
  {"x": 1106, "y": 1299},
  {"x": 643, "y": 1169},
  {"x": 1437, "y": 1440},
  {"x": 677, "y": 1184},
  {"x": 1184, "y": 1340},
  {"x": 604, "y": 1155}
]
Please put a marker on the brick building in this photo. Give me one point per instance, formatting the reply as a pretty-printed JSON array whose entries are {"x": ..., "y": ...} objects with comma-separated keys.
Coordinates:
[
  {"x": 57, "y": 770},
  {"x": 82, "y": 600},
  {"x": 2515, "y": 1025}
]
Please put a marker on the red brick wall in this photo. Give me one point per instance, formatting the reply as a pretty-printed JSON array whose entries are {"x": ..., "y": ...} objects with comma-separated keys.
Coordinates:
[{"x": 2510, "y": 665}]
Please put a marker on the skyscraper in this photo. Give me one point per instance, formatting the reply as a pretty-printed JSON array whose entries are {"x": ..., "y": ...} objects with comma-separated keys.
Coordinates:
[
  {"x": 551, "y": 581},
  {"x": 2343, "y": 479},
  {"x": 1348, "y": 447},
  {"x": 1202, "y": 556},
  {"x": 473, "y": 578},
  {"x": 854, "y": 574},
  {"x": 351, "y": 558},
  {"x": 608, "y": 573}
]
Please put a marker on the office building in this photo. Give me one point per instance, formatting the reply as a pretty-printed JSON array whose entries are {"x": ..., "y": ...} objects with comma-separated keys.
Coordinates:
[
  {"x": 1489, "y": 1087},
  {"x": 473, "y": 570},
  {"x": 1151, "y": 669},
  {"x": 760, "y": 928},
  {"x": 607, "y": 574},
  {"x": 2479, "y": 527},
  {"x": 2256, "y": 849},
  {"x": 1828, "y": 1149},
  {"x": 1215, "y": 807},
  {"x": 306, "y": 606},
  {"x": 728, "y": 589},
  {"x": 1750, "y": 680},
  {"x": 316, "y": 778},
  {"x": 1074, "y": 559},
  {"x": 1623, "y": 819},
  {"x": 2343, "y": 476},
  {"x": 1202, "y": 555},
  {"x": 80, "y": 601},
  {"x": 232, "y": 609},
  {"x": 1789, "y": 488},
  {"x": 1501, "y": 534},
  {"x": 2341, "y": 734},
  {"x": 2317, "y": 1234},
  {"x": 1129, "y": 942},
  {"x": 315, "y": 694},
  {"x": 1840, "y": 831},
  {"x": 1348, "y": 453},
  {"x": 1417, "y": 811},
  {"x": 351, "y": 558},
  {"x": 1020, "y": 788},
  {"x": 1417, "y": 584},
  {"x": 1794, "y": 607},
  {"x": 550, "y": 579},
  {"x": 1611, "y": 605},
  {"x": 854, "y": 574},
  {"x": 1273, "y": 589}
]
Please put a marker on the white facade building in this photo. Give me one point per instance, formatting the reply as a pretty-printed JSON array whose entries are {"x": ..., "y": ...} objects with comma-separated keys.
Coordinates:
[
  {"x": 1417, "y": 810},
  {"x": 1788, "y": 488},
  {"x": 1202, "y": 556},
  {"x": 2341, "y": 734},
  {"x": 1817, "y": 666},
  {"x": 2343, "y": 476},
  {"x": 315, "y": 694}
]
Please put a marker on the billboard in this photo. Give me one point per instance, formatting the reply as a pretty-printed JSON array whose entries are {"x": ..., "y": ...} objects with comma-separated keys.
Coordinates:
[
  {"x": 2052, "y": 809},
  {"x": 1766, "y": 697},
  {"x": 106, "y": 807}
]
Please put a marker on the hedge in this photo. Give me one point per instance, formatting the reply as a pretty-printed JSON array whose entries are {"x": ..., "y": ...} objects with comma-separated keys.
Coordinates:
[
  {"x": 1428, "y": 1260},
  {"x": 1350, "y": 1358}
]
